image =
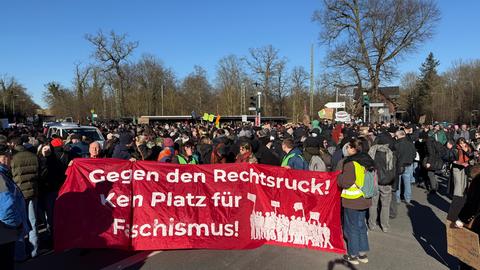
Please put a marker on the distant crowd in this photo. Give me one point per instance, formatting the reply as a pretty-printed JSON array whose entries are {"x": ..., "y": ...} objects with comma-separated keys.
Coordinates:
[{"x": 32, "y": 166}]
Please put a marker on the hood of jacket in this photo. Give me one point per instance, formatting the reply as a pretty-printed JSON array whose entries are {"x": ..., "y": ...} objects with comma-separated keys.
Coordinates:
[
  {"x": 314, "y": 151},
  {"x": 363, "y": 159},
  {"x": 296, "y": 151}
]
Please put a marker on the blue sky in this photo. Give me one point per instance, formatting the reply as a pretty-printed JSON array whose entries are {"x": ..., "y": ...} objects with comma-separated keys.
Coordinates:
[{"x": 41, "y": 41}]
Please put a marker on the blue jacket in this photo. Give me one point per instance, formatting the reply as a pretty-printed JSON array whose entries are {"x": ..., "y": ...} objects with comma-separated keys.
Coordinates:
[
  {"x": 297, "y": 162},
  {"x": 121, "y": 152},
  {"x": 13, "y": 212}
]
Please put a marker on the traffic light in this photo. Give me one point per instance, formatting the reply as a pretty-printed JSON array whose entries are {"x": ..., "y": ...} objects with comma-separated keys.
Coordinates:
[
  {"x": 366, "y": 99},
  {"x": 253, "y": 102}
]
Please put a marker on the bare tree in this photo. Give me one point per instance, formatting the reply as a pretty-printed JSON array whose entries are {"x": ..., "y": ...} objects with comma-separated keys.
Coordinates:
[
  {"x": 280, "y": 90},
  {"x": 299, "y": 78},
  {"x": 264, "y": 64},
  {"x": 369, "y": 37},
  {"x": 81, "y": 86},
  {"x": 197, "y": 93},
  {"x": 112, "y": 52},
  {"x": 59, "y": 99},
  {"x": 229, "y": 78}
]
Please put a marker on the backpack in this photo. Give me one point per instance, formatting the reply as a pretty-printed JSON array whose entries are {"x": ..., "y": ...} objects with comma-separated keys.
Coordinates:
[
  {"x": 327, "y": 159},
  {"x": 385, "y": 176},
  {"x": 317, "y": 164},
  {"x": 370, "y": 183}
]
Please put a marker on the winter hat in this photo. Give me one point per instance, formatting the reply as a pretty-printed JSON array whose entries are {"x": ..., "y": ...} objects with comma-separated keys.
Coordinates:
[
  {"x": 168, "y": 142},
  {"x": 57, "y": 142},
  {"x": 125, "y": 138},
  {"x": 76, "y": 136},
  {"x": 311, "y": 142},
  {"x": 316, "y": 131}
]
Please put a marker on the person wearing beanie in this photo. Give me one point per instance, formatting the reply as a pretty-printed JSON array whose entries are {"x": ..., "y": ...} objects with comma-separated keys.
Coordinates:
[
  {"x": 79, "y": 149},
  {"x": 57, "y": 142},
  {"x": 311, "y": 152},
  {"x": 123, "y": 149}
]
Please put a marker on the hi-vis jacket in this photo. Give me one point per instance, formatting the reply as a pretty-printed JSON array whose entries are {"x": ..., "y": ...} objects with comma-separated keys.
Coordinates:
[{"x": 354, "y": 192}]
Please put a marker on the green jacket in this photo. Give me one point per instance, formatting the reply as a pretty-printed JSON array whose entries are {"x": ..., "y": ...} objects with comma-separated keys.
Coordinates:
[
  {"x": 439, "y": 136},
  {"x": 25, "y": 171}
]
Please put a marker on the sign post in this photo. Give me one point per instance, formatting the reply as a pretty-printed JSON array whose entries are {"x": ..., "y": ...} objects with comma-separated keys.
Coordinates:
[{"x": 335, "y": 105}]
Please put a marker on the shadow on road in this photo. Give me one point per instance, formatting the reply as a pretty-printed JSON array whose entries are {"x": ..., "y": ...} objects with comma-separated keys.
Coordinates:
[
  {"x": 430, "y": 232},
  {"x": 341, "y": 263},
  {"x": 438, "y": 202}
]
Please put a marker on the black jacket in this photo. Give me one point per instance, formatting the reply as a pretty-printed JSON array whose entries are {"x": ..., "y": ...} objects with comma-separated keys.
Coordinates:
[
  {"x": 405, "y": 151},
  {"x": 435, "y": 152},
  {"x": 263, "y": 154},
  {"x": 52, "y": 174},
  {"x": 471, "y": 209}
]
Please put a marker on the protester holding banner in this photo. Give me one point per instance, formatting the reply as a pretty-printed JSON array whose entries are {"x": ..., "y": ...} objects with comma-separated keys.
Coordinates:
[
  {"x": 95, "y": 150},
  {"x": 355, "y": 206}
]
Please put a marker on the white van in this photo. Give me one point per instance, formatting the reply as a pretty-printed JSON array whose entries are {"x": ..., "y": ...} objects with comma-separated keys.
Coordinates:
[{"x": 63, "y": 130}]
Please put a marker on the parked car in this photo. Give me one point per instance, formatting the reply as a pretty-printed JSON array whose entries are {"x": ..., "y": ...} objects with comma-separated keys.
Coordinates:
[{"x": 63, "y": 130}]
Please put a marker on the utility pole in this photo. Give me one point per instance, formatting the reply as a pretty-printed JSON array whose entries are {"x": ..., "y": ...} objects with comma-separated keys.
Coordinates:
[
  {"x": 162, "y": 99},
  {"x": 336, "y": 97},
  {"x": 242, "y": 99},
  {"x": 311, "y": 81}
]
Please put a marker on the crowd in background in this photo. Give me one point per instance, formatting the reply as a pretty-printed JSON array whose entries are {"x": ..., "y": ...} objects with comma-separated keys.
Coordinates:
[{"x": 32, "y": 166}]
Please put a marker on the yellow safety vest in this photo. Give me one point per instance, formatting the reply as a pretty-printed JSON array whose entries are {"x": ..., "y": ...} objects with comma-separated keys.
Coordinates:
[
  {"x": 183, "y": 160},
  {"x": 287, "y": 158},
  {"x": 354, "y": 191}
]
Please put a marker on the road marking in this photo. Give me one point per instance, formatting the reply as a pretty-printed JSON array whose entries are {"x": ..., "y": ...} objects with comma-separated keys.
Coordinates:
[{"x": 127, "y": 262}]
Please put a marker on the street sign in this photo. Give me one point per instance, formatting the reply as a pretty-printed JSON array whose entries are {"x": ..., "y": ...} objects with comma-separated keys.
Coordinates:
[
  {"x": 252, "y": 108},
  {"x": 377, "y": 105},
  {"x": 244, "y": 118},
  {"x": 335, "y": 105}
]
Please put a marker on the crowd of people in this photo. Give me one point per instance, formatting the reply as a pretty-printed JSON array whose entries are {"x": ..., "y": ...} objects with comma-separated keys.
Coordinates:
[{"x": 32, "y": 166}]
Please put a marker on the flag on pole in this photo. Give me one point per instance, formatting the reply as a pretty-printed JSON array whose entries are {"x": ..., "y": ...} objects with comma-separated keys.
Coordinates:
[
  {"x": 217, "y": 121},
  {"x": 298, "y": 206},
  {"x": 275, "y": 204},
  {"x": 211, "y": 117},
  {"x": 205, "y": 116},
  {"x": 251, "y": 197},
  {"x": 315, "y": 216}
]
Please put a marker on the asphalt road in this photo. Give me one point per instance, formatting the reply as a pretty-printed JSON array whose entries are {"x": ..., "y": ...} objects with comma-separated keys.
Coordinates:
[{"x": 416, "y": 240}]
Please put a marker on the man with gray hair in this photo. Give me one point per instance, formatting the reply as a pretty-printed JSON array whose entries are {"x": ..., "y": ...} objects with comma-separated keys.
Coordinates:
[{"x": 406, "y": 153}]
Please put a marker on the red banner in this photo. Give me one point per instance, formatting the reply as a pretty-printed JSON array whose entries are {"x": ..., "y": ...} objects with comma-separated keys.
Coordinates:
[{"x": 109, "y": 203}]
